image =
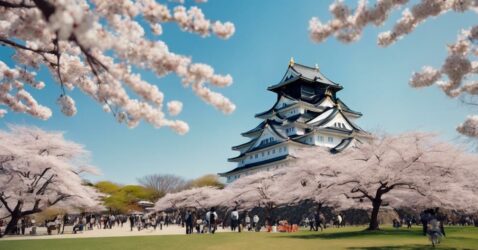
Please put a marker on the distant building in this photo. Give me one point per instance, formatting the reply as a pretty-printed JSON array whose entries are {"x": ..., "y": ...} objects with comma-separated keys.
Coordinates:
[
  {"x": 147, "y": 206},
  {"x": 307, "y": 113}
]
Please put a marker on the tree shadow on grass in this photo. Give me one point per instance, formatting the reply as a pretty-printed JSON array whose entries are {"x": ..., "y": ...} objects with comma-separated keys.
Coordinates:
[
  {"x": 343, "y": 235},
  {"x": 410, "y": 247}
]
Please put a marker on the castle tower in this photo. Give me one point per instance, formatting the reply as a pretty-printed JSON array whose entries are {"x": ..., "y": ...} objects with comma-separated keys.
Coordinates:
[{"x": 307, "y": 113}]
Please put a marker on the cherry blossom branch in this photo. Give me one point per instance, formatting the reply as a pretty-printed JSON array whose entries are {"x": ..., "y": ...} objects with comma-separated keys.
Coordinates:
[
  {"x": 459, "y": 67},
  {"x": 83, "y": 33}
]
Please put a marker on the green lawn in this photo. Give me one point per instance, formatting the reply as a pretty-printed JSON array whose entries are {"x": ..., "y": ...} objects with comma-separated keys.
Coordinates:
[{"x": 344, "y": 238}]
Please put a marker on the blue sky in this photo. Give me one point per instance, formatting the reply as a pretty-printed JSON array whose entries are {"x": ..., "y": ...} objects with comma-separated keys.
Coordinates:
[{"x": 267, "y": 34}]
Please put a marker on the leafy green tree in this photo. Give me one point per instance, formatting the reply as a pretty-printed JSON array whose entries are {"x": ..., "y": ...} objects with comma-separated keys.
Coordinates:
[
  {"x": 210, "y": 180},
  {"x": 124, "y": 199}
]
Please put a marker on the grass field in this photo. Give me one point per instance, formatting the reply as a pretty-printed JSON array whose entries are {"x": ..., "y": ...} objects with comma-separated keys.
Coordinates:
[{"x": 343, "y": 238}]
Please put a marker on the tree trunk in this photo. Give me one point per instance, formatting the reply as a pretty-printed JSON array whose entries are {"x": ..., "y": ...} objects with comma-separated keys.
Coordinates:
[
  {"x": 268, "y": 212},
  {"x": 376, "y": 203},
  {"x": 11, "y": 226},
  {"x": 319, "y": 207}
]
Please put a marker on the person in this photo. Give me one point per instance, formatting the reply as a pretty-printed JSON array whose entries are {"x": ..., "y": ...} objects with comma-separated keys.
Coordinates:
[
  {"x": 34, "y": 227},
  {"x": 199, "y": 222},
  {"x": 58, "y": 224},
  {"x": 255, "y": 223},
  {"x": 395, "y": 223},
  {"x": 234, "y": 219},
  {"x": 424, "y": 218},
  {"x": 248, "y": 222},
  {"x": 92, "y": 222},
  {"x": 339, "y": 220},
  {"x": 318, "y": 222},
  {"x": 154, "y": 221},
  {"x": 24, "y": 225},
  {"x": 161, "y": 220},
  {"x": 306, "y": 222},
  {"x": 77, "y": 226},
  {"x": 65, "y": 221},
  {"x": 409, "y": 222},
  {"x": 441, "y": 220},
  {"x": 112, "y": 221},
  {"x": 139, "y": 222},
  {"x": 19, "y": 226},
  {"x": 189, "y": 222},
  {"x": 433, "y": 229},
  {"x": 131, "y": 222},
  {"x": 83, "y": 223},
  {"x": 50, "y": 224},
  {"x": 312, "y": 223},
  {"x": 212, "y": 218}
]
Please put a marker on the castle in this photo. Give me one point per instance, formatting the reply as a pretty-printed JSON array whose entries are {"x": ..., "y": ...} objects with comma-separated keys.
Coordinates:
[{"x": 307, "y": 113}]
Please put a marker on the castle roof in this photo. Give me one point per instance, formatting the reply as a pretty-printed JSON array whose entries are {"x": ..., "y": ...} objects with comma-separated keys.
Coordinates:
[{"x": 297, "y": 71}]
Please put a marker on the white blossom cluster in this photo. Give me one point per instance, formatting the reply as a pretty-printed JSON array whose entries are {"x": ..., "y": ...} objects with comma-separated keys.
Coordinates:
[
  {"x": 67, "y": 105},
  {"x": 469, "y": 127},
  {"x": 94, "y": 46},
  {"x": 461, "y": 65},
  {"x": 15, "y": 97}
]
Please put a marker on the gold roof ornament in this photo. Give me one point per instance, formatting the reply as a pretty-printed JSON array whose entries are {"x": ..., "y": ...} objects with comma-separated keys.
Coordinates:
[
  {"x": 291, "y": 62},
  {"x": 328, "y": 92}
]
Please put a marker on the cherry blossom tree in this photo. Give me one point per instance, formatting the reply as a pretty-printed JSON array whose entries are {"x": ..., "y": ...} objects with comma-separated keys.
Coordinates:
[
  {"x": 96, "y": 46},
  {"x": 457, "y": 75},
  {"x": 199, "y": 198},
  {"x": 312, "y": 182},
  {"x": 39, "y": 170},
  {"x": 409, "y": 170},
  {"x": 264, "y": 189}
]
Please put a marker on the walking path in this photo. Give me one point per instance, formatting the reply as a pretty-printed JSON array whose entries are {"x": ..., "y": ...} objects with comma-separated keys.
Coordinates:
[{"x": 117, "y": 231}]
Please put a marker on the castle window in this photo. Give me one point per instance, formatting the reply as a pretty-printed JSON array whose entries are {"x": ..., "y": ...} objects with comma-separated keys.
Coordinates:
[
  {"x": 262, "y": 154},
  {"x": 274, "y": 151},
  {"x": 320, "y": 138},
  {"x": 330, "y": 139},
  {"x": 255, "y": 156}
]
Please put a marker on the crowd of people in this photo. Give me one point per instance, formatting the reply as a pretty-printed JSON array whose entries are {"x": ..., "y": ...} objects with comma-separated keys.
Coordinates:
[{"x": 207, "y": 221}]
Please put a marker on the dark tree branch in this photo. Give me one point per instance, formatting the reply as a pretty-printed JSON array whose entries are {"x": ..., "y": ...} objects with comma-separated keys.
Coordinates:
[
  {"x": 5, "y": 203},
  {"x": 15, "y": 5},
  {"x": 363, "y": 192},
  {"x": 45, "y": 185},
  {"x": 45, "y": 7},
  {"x": 19, "y": 46},
  {"x": 38, "y": 178},
  {"x": 59, "y": 198}
]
